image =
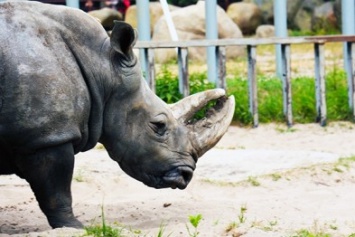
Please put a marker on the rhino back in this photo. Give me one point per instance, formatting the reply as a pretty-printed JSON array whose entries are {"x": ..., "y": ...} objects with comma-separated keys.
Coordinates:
[{"x": 44, "y": 94}]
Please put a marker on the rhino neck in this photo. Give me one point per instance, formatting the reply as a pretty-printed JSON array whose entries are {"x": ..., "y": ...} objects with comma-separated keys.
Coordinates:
[
  {"x": 95, "y": 69},
  {"x": 90, "y": 46}
]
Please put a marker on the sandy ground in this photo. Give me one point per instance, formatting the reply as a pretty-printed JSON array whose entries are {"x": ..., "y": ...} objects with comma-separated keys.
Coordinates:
[{"x": 251, "y": 184}]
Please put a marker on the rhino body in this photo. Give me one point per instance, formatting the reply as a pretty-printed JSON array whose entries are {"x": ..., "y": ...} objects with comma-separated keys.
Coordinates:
[{"x": 66, "y": 85}]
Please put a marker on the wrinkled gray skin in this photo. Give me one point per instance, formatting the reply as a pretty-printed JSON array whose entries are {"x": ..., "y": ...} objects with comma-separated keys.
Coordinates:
[{"x": 65, "y": 85}]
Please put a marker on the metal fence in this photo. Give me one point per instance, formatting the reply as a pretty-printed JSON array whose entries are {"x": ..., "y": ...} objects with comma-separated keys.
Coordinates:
[{"x": 251, "y": 45}]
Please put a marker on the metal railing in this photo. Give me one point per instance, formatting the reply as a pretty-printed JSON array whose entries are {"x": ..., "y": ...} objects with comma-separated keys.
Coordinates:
[{"x": 251, "y": 45}]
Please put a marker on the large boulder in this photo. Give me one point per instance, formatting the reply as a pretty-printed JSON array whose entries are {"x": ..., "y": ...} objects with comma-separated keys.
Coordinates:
[
  {"x": 247, "y": 16},
  {"x": 337, "y": 12},
  {"x": 155, "y": 11},
  {"x": 106, "y": 16},
  {"x": 324, "y": 18},
  {"x": 190, "y": 25},
  {"x": 299, "y": 12},
  {"x": 266, "y": 8},
  {"x": 265, "y": 31},
  {"x": 302, "y": 21}
]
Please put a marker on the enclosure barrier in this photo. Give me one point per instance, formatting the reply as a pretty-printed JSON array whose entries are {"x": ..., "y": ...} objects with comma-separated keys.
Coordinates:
[{"x": 251, "y": 44}]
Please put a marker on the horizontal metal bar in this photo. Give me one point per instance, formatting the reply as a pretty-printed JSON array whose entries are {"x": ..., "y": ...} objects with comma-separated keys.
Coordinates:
[{"x": 245, "y": 41}]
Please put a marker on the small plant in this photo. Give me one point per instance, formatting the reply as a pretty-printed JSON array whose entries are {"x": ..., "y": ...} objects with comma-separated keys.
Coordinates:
[
  {"x": 241, "y": 216},
  {"x": 99, "y": 146},
  {"x": 103, "y": 230},
  {"x": 343, "y": 164},
  {"x": 233, "y": 225},
  {"x": 338, "y": 169},
  {"x": 162, "y": 230},
  {"x": 333, "y": 227},
  {"x": 273, "y": 223},
  {"x": 253, "y": 181},
  {"x": 194, "y": 221},
  {"x": 79, "y": 177},
  {"x": 285, "y": 130},
  {"x": 307, "y": 233},
  {"x": 276, "y": 176}
]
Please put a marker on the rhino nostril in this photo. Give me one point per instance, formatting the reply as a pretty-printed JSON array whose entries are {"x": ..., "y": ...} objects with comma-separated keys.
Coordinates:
[
  {"x": 179, "y": 177},
  {"x": 186, "y": 173}
]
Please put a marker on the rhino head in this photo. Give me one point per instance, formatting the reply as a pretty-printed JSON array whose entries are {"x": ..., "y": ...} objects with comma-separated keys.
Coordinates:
[{"x": 156, "y": 143}]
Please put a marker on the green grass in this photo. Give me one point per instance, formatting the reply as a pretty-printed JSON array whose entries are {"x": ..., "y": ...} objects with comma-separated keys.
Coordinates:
[
  {"x": 269, "y": 96},
  {"x": 307, "y": 233},
  {"x": 103, "y": 230},
  {"x": 253, "y": 181}
]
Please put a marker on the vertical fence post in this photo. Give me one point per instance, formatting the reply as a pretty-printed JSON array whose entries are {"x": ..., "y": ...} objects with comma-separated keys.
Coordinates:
[
  {"x": 280, "y": 22},
  {"x": 150, "y": 68},
  {"x": 221, "y": 67},
  {"x": 351, "y": 77},
  {"x": 147, "y": 62},
  {"x": 143, "y": 17},
  {"x": 183, "y": 71},
  {"x": 253, "y": 97},
  {"x": 320, "y": 84},
  {"x": 286, "y": 82},
  {"x": 72, "y": 3},
  {"x": 211, "y": 33},
  {"x": 347, "y": 23}
]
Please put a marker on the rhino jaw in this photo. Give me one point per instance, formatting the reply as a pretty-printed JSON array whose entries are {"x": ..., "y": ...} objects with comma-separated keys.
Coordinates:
[{"x": 206, "y": 132}]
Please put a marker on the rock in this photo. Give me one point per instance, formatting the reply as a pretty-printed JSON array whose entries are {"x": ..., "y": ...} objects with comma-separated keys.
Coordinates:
[
  {"x": 324, "y": 18},
  {"x": 265, "y": 31},
  {"x": 310, "y": 5},
  {"x": 337, "y": 12},
  {"x": 155, "y": 11},
  {"x": 267, "y": 10},
  {"x": 106, "y": 16},
  {"x": 190, "y": 25},
  {"x": 302, "y": 21},
  {"x": 299, "y": 12},
  {"x": 247, "y": 16}
]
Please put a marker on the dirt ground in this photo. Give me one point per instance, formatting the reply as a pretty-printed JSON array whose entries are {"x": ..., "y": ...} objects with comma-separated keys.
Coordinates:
[{"x": 268, "y": 181}]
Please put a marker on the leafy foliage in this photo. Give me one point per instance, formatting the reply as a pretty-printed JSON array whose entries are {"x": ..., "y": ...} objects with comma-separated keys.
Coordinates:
[
  {"x": 167, "y": 85},
  {"x": 194, "y": 221}
]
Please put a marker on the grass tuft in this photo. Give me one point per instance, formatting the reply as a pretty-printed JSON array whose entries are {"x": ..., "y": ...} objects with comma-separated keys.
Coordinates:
[{"x": 103, "y": 230}]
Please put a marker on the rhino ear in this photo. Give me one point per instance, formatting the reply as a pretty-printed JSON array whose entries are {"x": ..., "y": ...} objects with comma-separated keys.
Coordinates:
[{"x": 123, "y": 37}]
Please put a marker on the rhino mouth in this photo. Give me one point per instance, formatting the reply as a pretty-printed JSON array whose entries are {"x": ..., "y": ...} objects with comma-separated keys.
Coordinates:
[{"x": 178, "y": 177}]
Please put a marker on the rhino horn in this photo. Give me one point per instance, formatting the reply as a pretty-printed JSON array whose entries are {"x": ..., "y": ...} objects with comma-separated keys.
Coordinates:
[{"x": 205, "y": 132}]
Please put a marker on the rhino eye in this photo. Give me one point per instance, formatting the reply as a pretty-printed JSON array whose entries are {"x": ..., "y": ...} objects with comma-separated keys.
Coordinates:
[{"x": 158, "y": 127}]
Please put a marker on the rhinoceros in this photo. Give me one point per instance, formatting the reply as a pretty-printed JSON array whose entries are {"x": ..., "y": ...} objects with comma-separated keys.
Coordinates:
[{"x": 66, "y": 85}]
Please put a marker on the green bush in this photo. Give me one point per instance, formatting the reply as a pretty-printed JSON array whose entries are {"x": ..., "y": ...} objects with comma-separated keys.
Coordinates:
[
  {"x": 270, "y": 100},
  {"x": 167, "y": 85},
  {"x": 337, "y": 96}
]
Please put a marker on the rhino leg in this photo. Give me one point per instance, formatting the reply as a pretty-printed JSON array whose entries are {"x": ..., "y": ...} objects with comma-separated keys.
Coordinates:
[{"x": 49, "y": 172}]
